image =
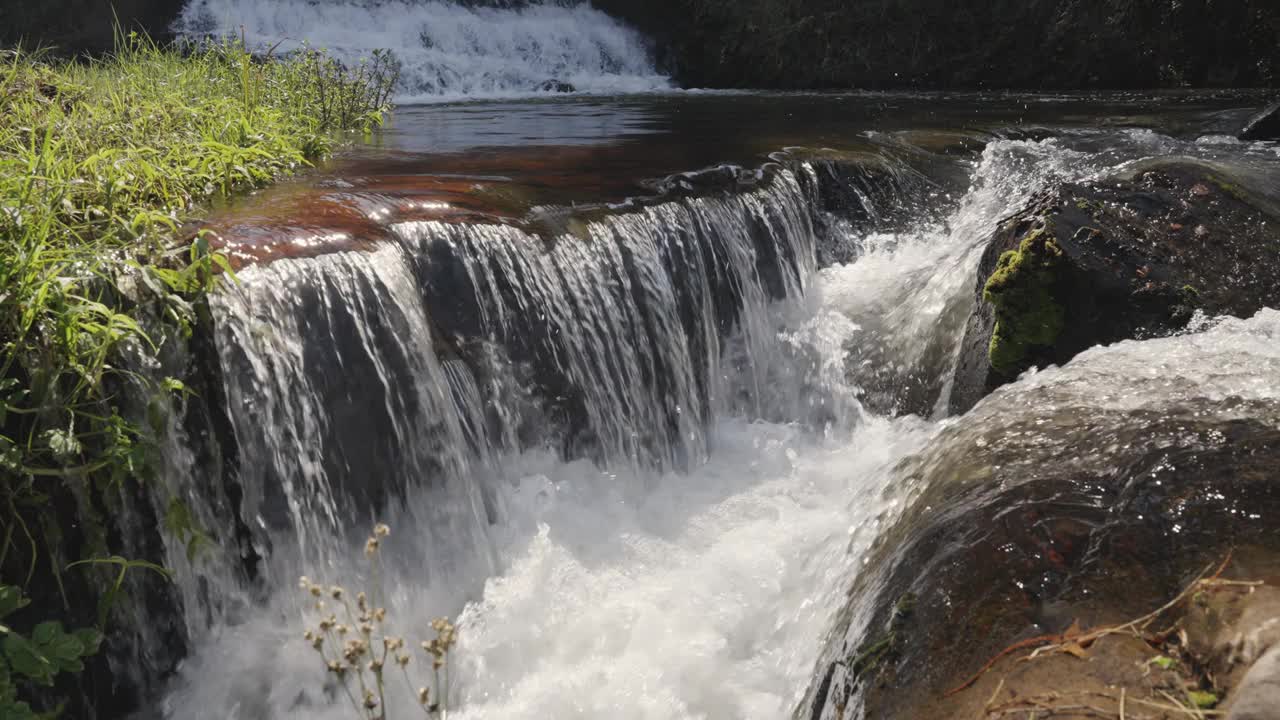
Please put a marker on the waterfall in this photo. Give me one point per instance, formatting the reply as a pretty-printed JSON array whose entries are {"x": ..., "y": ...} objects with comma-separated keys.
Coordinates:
[
  {"x": 335, "y": 355},
  {"x": 623, "y": 321},
  {"x": 448, "y": 50},
  {"x": 638, "y": 451},
  {"x": 406, "y": 381},
  {"x": 635, "y": 388}
]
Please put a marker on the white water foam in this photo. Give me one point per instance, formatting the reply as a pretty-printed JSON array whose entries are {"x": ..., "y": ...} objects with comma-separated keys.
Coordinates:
[{"x": 448, "y": 51}]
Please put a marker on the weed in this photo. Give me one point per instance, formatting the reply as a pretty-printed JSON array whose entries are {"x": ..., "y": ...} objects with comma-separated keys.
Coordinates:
[
  {"x": 357, "y": 649},
  {"x": 101, "y": 162}
]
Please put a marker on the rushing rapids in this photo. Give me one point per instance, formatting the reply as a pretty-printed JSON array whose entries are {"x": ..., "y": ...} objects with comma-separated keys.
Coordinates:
[{"x": 639, "y": 446}]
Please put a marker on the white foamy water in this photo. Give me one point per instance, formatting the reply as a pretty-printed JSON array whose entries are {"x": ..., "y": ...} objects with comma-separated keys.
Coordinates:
[{"x": 448, "y": 50}]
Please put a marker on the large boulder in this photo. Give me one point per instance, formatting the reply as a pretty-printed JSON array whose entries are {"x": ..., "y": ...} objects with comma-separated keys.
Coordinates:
[
  {"x": 1078, "y": 498},
  {"x": 1265, "y": 125},
  {"x": 1093, "y": 263}
]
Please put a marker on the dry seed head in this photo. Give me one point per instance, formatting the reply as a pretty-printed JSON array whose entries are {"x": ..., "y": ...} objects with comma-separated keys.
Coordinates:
[
  {"x": 315, "y": 590},
  {"x": 371, "y": 547},
  {"x": 336, "y": 592},
  {"x": 375, "y": 666},
  {"x": 370, "y": 701},
  {"x": 355, "y": 649},
  {"x": 304, "y": 582},
  {"x": 403, "y": 660},
  {"x": 424, "y": 696},
  {"x": 380, "y": 614},
  {"x": 381, "y": 530},
  {"x": 362, "y": 601},
  {"x": 366, "y": 629}
]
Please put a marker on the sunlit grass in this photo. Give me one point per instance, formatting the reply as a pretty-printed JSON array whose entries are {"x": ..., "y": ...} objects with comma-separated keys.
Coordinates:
[{"x": 101, "y": 163}]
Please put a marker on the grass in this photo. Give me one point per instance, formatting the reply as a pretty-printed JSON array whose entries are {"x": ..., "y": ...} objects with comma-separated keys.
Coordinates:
[{"x": 101, "y": 162}]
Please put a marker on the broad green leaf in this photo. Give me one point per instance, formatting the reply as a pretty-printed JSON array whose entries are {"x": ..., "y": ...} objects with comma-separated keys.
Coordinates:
[
  {"x": 26, "y": 659},
  {"x": 45, "y": 633},
  {"x": 11, "y": 709},
  {"x": 90, "y": 640}
]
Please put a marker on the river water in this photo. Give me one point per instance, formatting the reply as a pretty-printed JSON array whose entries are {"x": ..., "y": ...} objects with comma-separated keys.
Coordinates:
[
  {"x": 634, "y": 427},
  {"x": 632, "y": 375}
]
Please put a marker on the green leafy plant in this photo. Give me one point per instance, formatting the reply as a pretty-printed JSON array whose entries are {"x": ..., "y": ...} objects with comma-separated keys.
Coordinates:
[
  {"x": 36, "y": 658},
  {"x": 102, "y": 163}
]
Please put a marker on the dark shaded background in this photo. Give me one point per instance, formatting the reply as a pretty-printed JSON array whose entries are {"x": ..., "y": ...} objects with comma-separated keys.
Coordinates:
[{"x": 811, "y": 44}]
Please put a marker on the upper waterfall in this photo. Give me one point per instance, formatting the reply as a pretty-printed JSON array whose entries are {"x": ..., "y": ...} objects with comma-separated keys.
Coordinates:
[{"x": 448, "y": 50}]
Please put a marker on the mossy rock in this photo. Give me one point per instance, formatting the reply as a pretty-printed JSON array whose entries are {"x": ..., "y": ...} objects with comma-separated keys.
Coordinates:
[
  {"x": 1021, "y": 288},
  {"x": 1089, "y": 264}
]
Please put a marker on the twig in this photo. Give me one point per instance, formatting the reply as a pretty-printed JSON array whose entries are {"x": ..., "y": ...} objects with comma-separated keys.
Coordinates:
[
  {"x": 1241, "y": 584},
  {"x": 1042, "y": 703},
  {"x": 1182, "y": 707},
  {"x": 1021, "y": 644},
  {"x": 1133, "y": 626},
  {"x": 995, "y": 694},
  {"x": 1223, "y": 566}
]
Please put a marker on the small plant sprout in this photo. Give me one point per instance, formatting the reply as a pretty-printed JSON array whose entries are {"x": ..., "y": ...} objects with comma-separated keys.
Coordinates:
[{"x": 357, "y": 649}]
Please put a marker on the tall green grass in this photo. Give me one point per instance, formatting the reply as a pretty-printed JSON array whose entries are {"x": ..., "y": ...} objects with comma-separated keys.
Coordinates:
[{"x": 100, "y": 164}]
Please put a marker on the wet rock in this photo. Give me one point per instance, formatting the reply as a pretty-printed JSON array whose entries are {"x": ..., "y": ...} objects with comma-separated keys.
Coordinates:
[
  {"x": 1094, "y": 263},
  {"x": 1233, "y": 631},
  {"x": 1259, "y": 693},
  {"x": 556, "y": 86},
  {"x": 1265, "y": 125},
  {"x": 1018, "y": 533}
]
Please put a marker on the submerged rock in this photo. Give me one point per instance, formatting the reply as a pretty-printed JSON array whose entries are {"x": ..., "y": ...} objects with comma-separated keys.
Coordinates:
[
  {"x": 1094, "y": 263},
  {"x": 553, "y": 85},
  {"x": 1265, "y": 125}
]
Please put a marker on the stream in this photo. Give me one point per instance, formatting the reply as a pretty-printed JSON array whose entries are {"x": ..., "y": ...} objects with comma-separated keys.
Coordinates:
[{"x": 636, "y": 377}]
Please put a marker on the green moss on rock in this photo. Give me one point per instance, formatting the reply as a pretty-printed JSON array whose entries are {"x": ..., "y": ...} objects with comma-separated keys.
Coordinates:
[{"x": 1021, "y": 289}]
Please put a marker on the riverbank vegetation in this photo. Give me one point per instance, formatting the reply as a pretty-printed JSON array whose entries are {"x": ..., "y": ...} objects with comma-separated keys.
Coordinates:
[{"x": 101, "y": 164}]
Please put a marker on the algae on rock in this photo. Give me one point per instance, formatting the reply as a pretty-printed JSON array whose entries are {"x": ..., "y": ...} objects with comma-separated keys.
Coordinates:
[{"x": 1021, "y": 291}]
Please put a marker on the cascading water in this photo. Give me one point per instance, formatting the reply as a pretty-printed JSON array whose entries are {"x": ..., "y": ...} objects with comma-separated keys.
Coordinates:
[
  {"x": 693, "y": 567},
  {"x": 639, "y": 455},
  {"x": 448, "y": 49}
]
